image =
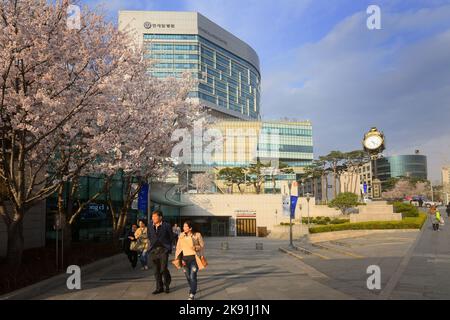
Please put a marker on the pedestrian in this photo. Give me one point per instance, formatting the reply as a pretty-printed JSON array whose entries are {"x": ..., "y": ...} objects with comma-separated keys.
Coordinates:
[
  {"x": 420, "y": 202},
  {"x": 190, "y": 256},
  {"x": 433, "y": 215},
  {"x": 130, "y": 246},
  {"x": 439, "y": 219},
  {"x": 161, "y": 239},
  {"x": 142, "y": 248},
  {"x": 176, "y": 233},
  {"x": 448, "y": 210}
]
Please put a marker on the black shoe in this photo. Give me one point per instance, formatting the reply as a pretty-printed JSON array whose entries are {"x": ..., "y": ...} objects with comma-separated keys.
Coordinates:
[
  {"x": 157, "y": 291},
  {"x": 167, "y": 290}
]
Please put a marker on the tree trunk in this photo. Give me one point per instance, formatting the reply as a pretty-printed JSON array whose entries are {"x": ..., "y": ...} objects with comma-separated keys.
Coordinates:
[
  {"x": 67, "y": 237},
  {"x": 118, "y": 231},
  {"x": 68, "y": 226},
  {"x": 334, "y": 184},
  {"x": 313, "y": 186},
  {"x": 324, "y": 188},
  {"x": 257, "y": 188},
  {"x": 273, "y": 186},
  {"x": 15, "y": 244}
]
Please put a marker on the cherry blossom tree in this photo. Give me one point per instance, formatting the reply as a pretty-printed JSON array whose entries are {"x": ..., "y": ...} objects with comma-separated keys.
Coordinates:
[
  {"x": 139, "y": 141},
  {"x": 54, "y": 81},
  {"x": 404, "y": 188},
  {"x": 203, "y": 181}
]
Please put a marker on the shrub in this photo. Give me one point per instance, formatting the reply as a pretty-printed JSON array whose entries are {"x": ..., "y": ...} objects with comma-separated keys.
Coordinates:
[
  {"x": 324, "y": 220},
  {"x": 406, "y": 209},
  {"x": 339, "y": 221},
  {"x": 311, "y": 220},
  {"x": 405, "y": 223},
  {"x": 344, "y": 201}
]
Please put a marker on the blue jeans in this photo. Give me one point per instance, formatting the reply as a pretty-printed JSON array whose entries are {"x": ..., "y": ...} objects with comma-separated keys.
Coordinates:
[
  {"x": 190, "y": 271},
  {"x": 143, "y": 257}
]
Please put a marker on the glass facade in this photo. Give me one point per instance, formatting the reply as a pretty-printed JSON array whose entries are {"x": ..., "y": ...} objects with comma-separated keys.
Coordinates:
[
  {"x": 224, "y": 79},
  {"x": 402, "y": 166},
  {"x": 287, "y": 142},
  {"x": 293, "y": 142},
  {"x": 95, "y": 220}
]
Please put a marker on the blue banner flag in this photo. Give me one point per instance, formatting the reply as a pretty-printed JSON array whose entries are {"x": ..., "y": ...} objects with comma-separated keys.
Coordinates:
[
  {"x": 293, "y": 205},
  {"x": 143, "y": 199}
]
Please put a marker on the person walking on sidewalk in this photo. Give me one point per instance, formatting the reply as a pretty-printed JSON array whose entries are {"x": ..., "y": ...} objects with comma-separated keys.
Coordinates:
[
  {"x": 141, "y": 236},
  {"x": 448, "y": 210},
  {"x": 189, "y": 254},
  {"x": 435, "y": 220},
  {"x": 161, "y": 239},
  {"x": 439, "y": 218},
  {"x": 176, "y": 234},
  {"x": 130, "y": 241}
]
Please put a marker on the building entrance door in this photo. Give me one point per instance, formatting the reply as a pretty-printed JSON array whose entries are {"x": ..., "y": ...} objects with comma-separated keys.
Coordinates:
[
  {"x": 246, "y": 227},
  {"x": 218, "y": 229}
]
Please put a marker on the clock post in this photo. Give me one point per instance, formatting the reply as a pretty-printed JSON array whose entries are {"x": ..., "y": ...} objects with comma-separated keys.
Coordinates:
[{"x": 374, "y": 144}]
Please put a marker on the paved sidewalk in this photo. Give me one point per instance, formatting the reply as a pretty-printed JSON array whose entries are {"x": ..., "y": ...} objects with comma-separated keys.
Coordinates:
[
  {"x": 414, "y": 265},
  {"x": 427, "y": 272},
  {"x": 242, "y": 272}
]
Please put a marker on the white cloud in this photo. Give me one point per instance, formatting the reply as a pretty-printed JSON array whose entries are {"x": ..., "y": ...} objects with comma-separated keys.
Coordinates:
[{"x": 396, "y": 79}]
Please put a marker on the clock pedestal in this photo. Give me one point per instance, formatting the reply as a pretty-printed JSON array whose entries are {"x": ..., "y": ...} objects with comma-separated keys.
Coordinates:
[{"x": 376, "y": 189}]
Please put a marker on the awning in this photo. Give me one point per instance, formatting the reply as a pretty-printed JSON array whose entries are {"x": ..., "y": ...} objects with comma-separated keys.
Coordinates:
[{"x": 165, "y": 194}]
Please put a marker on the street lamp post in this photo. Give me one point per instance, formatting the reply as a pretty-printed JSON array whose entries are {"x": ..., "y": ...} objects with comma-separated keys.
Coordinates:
[
  {"x": 291, "y": 245},
  {"x": 307, "y": 201}
]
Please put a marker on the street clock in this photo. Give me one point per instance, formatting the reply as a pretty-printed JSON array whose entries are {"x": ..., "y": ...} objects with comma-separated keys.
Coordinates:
[
  {"x": 373, "y": 144},
  {"x": 373, "y": 141}
]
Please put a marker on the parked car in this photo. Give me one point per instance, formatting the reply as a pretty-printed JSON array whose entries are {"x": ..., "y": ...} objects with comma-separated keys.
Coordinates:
[{"x": 429, "y": 204}]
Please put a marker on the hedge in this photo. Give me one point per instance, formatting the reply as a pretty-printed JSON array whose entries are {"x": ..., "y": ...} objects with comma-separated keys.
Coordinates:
[
  {"x": 406, "y": 209},
  {"x": 324, "y": 220},
  {"x": 405, "y": 223},
  {"x": 320, "y": 221}
]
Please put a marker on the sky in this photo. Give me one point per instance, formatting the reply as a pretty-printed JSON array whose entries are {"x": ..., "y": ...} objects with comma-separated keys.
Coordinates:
[{"x": 320, "y": 62}]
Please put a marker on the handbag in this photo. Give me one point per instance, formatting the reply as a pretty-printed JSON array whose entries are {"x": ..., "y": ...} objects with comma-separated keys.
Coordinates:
[
  {"x": 204, "y": 261},
  {"x": 177, "y": 263},
  {"x": 201, "y": 260},
  {"x": 140, "y": 245},
  {"x": 134, "y": 246}
]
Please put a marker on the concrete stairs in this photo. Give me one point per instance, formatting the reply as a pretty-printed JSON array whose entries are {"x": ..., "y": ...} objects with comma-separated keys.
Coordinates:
[{"x": 376, "y": 211}]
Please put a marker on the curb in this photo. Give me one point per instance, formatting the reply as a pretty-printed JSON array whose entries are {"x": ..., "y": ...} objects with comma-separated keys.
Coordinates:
[
  {"x": 343, "y": 252},
  {"x": 310, "y": 271},
  {"x": 42, "y": 287},
  {"x": 347, "y": 234},
  {"x": 306, "y": 251}
]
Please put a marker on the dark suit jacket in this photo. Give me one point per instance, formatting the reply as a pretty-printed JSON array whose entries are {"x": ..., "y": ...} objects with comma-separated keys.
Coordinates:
[
  {"x": 164, "y": 236},
  {"x": 127, "y": 242}
]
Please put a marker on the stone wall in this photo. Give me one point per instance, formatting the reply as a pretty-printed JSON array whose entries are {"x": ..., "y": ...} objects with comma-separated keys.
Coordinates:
[{"x": 268, "y": 208}]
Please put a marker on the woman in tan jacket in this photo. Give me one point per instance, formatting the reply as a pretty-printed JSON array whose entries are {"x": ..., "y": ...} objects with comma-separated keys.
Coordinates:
[
  {"x": 190, "y": 250},
  {"x": 141, "y": 236}
]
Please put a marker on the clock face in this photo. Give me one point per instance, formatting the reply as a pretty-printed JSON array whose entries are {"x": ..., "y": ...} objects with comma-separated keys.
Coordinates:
[{"x": 373, "y": 142}]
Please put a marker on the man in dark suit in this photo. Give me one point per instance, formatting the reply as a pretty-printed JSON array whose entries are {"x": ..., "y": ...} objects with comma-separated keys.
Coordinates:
[{"x": 161, "y": 239}]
